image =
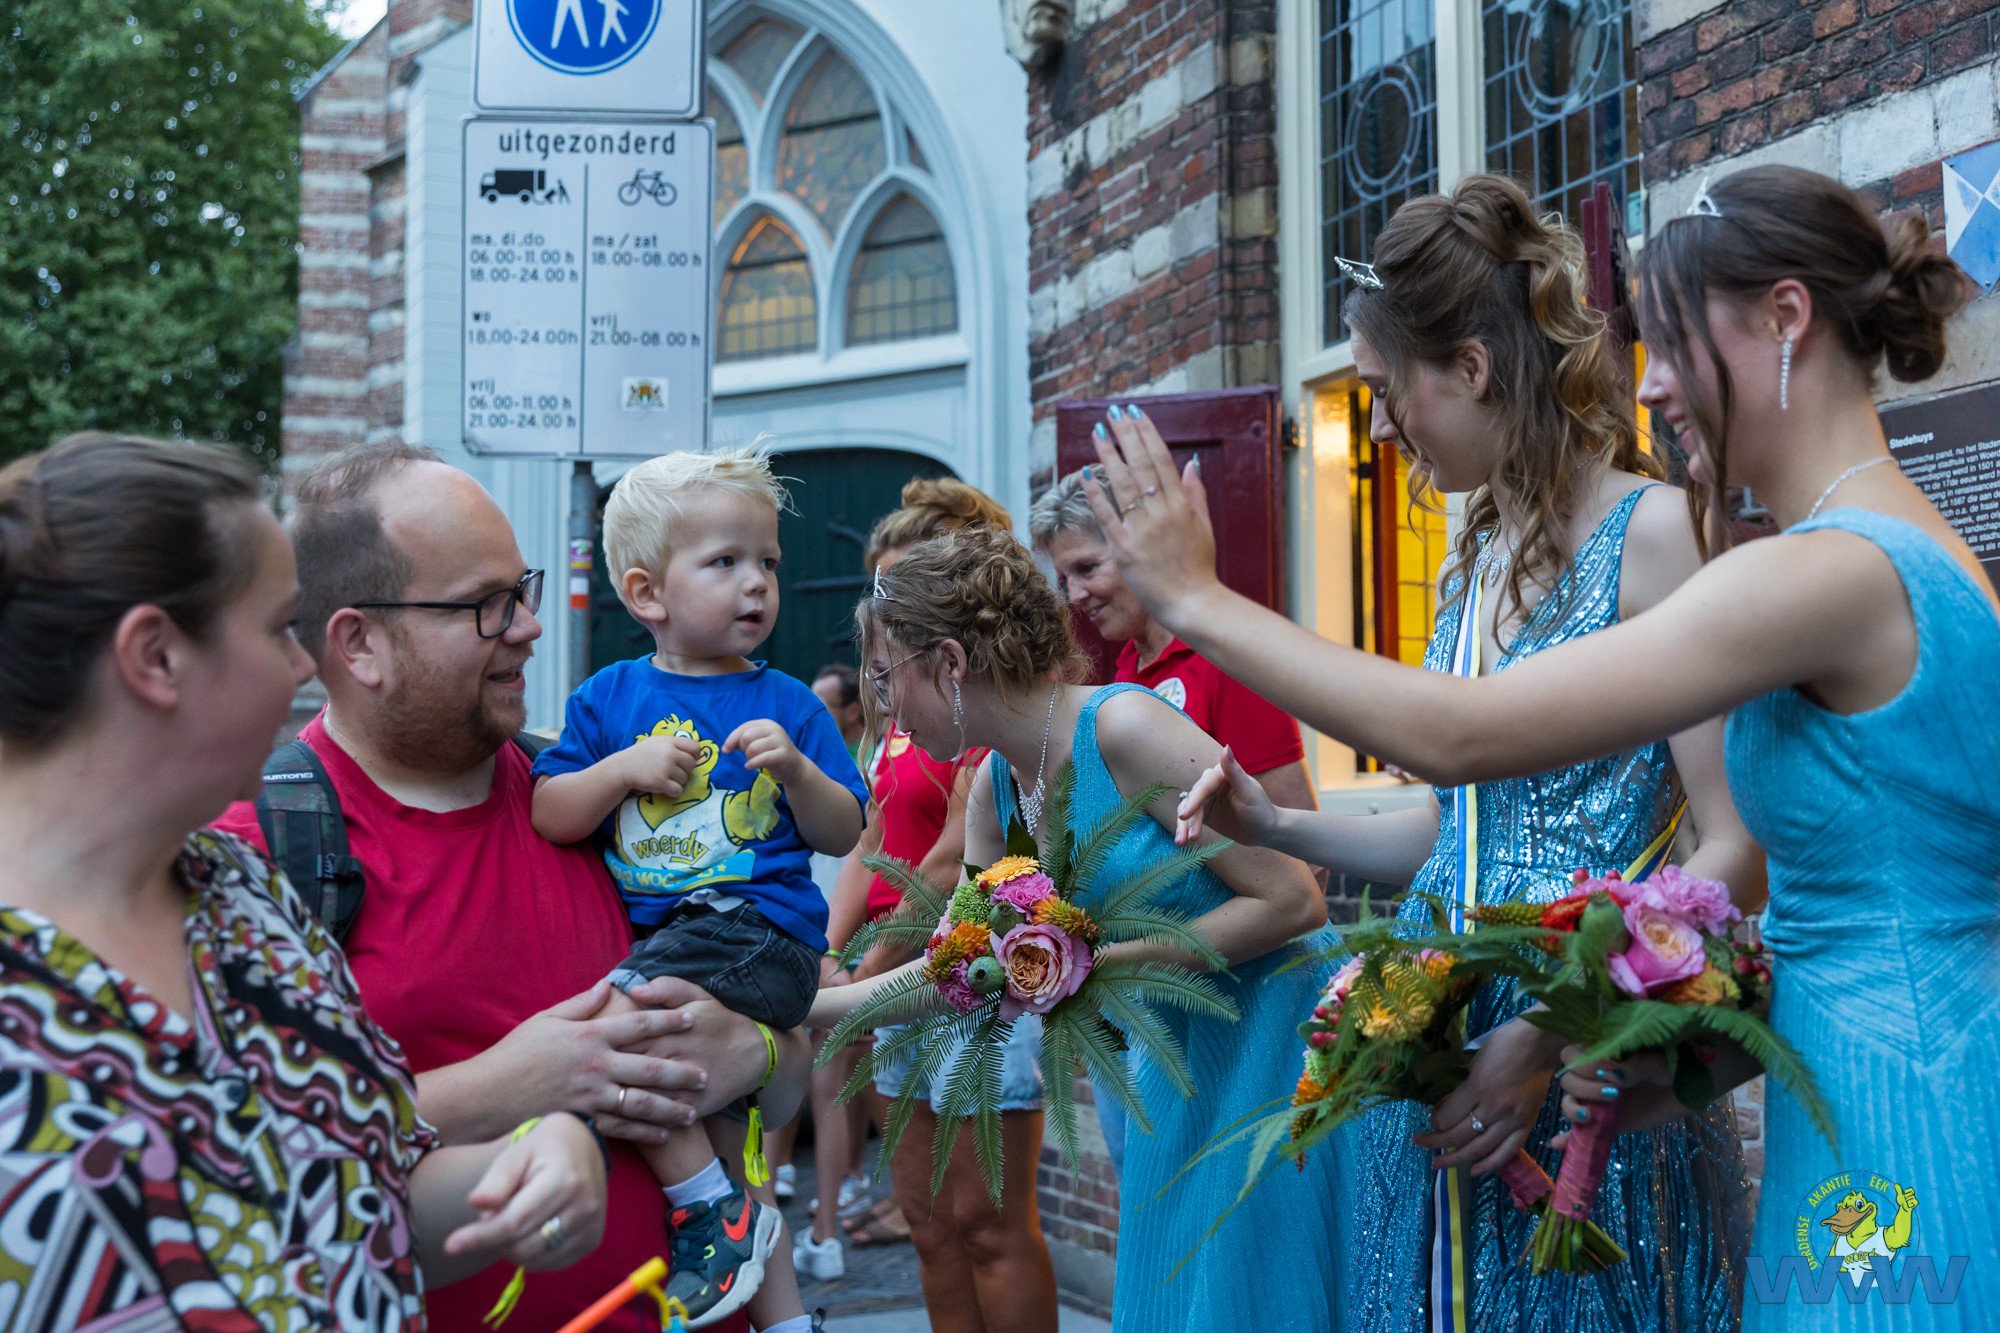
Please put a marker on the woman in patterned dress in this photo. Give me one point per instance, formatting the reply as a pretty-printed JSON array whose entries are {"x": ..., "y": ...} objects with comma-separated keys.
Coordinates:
[{"x": 199, "y": 1127}]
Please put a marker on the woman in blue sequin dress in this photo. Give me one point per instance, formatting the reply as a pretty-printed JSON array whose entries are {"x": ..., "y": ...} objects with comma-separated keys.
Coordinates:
[
  {"x": 1857, "y": 656},
  {"x": 1615, "y": 544}
]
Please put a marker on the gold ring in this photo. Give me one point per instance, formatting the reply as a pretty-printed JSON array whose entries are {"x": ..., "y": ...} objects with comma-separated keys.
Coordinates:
[
  {"x": 552, "y": 1234},
  {"x": 1130, "y": 507}
]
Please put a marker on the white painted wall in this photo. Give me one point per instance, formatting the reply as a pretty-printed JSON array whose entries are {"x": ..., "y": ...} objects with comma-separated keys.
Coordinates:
[{"x": 962, "y": 400}]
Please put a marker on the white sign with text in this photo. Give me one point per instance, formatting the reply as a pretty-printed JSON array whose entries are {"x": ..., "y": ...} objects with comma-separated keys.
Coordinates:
[
  {"x": 599, "y": 57},
  {"x": 586, "y": 294}
]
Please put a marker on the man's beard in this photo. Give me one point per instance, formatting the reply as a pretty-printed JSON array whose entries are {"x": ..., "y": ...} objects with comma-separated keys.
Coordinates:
[{"x": 427, "y": 726}]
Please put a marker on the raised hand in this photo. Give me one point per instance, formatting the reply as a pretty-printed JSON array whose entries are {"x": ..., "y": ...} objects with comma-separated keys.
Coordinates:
[
  {"x": 1155, "y": 517},
  {"x": 660, "y": 765},
  {"x": 766, "y": 748},
  {"x": 1228, "y": 802}
]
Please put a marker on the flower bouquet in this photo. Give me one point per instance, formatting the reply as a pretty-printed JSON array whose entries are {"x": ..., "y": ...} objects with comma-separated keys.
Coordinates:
[
  {"x": 1622, "y": 967},
  {"x": 1389, "y": 1027},
  {"x": 1014, "y": 940}
]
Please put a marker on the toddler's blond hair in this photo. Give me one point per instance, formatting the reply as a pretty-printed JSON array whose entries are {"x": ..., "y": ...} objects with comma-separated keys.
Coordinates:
[{"x": 648, "y": 502}]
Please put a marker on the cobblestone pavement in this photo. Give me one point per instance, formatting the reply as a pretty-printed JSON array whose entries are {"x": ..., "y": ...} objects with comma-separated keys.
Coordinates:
[{"x": 879, "y": 1293}]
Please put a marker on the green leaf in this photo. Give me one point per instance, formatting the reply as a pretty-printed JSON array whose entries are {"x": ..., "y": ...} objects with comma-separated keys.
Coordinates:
[
  {"x": 904, "y": 997},
  {"x": 1166, "y": 983},
  {"x": 1154, "y": 926},
  {"x": 1020, "y": 842},
  {"x": 1144, "y": 1024},
  {"x": 1094, "y": 848},
  {"x": 1105, "y": 1060}
]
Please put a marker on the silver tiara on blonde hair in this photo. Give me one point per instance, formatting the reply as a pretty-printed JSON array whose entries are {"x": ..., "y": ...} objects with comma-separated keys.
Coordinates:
[
  {"x": 1363, "y": 275},
  {"x": 880, "y": 594},
  {"x": 1703, "y": 203}
]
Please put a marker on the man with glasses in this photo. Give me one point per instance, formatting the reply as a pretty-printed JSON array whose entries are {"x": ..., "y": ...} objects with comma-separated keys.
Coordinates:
[{"x": 417, "y": 605}]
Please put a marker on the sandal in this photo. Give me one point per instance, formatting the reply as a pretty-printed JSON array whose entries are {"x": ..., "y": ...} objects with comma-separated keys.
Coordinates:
[
  {"x": 893, "y": 1229},
  {"x": 875, "y": 1210}
]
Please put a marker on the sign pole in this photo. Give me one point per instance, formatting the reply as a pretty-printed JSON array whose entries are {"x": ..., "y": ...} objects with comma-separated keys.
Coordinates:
[{"x": 582, "y": 536}]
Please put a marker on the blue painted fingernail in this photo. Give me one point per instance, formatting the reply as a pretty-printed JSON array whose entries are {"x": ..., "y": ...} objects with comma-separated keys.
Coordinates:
[
  {"x": 1099, "y": 431},
  {"x": 1114, "y": 413},
  {"x": 1582, "y": 1114},
  {"x": 1609, "y": 1092},
  {"x": 1601, "y": 1074},
  {"x": 1134, "y": 410}
]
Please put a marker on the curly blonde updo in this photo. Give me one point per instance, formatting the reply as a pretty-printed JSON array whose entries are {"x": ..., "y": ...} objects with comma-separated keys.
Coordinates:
[
  {"x": 981, "y": 589},
  {"x": 932, "y": 506}
]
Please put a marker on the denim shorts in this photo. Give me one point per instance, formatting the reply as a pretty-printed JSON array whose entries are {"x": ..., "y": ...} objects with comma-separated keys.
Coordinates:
[
  {"x": 738, "y": 956},
  {"x": 1020, "y": 1069}
]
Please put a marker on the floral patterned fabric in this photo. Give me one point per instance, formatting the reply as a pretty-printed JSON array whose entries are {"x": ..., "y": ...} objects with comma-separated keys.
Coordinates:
[{"x": 246, "y": 1170}]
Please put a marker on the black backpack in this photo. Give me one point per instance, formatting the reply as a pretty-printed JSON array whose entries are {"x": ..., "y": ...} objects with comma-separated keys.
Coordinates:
[{"x": 300, "y": 815}]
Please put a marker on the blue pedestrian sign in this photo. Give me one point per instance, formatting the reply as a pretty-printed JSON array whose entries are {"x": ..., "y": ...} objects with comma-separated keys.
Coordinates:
[{"x": 604, "y": 57}]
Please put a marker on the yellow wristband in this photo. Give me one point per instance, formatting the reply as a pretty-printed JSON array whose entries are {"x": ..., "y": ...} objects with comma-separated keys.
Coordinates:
[
  {"x": 525, "y": 1128},
  {"x": 770, "y": 1055}
]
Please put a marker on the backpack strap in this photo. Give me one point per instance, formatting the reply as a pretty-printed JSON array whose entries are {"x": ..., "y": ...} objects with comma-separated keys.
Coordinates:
[
  {"x": 529, "y": 744},
  {"x": 299, "y": 813}
]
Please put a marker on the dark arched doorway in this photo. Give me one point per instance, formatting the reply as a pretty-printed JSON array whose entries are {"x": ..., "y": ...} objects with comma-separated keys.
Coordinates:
[{"x": 837, "y": 497}]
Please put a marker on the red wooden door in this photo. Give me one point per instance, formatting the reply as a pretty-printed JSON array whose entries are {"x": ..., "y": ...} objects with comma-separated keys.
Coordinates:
[{"x": 1235, "y": 434}]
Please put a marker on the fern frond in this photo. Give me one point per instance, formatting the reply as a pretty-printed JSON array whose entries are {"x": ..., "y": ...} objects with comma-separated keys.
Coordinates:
[
  {"x": 907, "y": 996},
  {"x": 1058, "y": 1092},
  {"x": 1170, "y": 869},
  {"x": 1109, "y": 1068},
  {"x": 1166, "y": 983},
  {"x": 1151, "y": 925},
  {"x": 1094, "y": 848},
  {"x": 1145, "y": 1028}
]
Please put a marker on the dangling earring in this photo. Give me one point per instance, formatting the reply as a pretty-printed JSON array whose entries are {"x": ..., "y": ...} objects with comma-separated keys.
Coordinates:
[
  {"x": 958, "y": 715},
  {"x": 1785, "y": 376}
]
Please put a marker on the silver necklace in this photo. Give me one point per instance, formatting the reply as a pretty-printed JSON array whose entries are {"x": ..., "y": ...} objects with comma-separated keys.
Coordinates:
[
  {"x": 1031, "y": 804},
  {"x": 1835, "y": 484},
  {"x": 1494, "y": 563}
]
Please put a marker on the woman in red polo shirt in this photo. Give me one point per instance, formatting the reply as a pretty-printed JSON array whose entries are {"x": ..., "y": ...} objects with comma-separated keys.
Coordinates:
[{"x": 1264, "y": 739}]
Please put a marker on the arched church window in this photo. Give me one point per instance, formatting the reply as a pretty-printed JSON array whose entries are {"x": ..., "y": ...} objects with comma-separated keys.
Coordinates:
[
  {"x": 768, "y": 305},
  {"x": 833, "y": 142},
  {"x": 732, "y": 156},
  {"x": 903, "y": 285},
  {"x": 758, "y": 53}
]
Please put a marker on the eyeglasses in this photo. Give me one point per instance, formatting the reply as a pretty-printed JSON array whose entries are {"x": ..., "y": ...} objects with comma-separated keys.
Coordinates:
[
  {"x": 492, "y": 615},
  {"x": 879, "y": 681}
]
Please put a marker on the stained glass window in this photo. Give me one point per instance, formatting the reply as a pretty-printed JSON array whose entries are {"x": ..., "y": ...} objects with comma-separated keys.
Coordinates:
[
  {"x": 758, "y": 53},
  {"x": 903, "y": 285},
  {"x": 1378, "y": 128},
  {"x": 833, "y": 143},
  {"x": 732, "y": 158},
  {"x": 768, "y": 305},
  {"x": 1562, "y": 100}
]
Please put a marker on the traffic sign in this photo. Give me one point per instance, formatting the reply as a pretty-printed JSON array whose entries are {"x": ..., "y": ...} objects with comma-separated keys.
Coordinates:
[
  {"x": 586, "y": 294},
  {"x": 599, "y": 57}
]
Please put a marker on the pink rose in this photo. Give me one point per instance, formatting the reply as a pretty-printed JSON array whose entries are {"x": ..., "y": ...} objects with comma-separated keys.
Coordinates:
[
  {"x": 1702, "y": 903},
  {"x": 1025, "y": 891},
  {"x": 1664, "y": 949},
  {"x": 957, "y": 990},
  {"x": 1343, "y": 981},
  {"x": 1044, "y": 967}
]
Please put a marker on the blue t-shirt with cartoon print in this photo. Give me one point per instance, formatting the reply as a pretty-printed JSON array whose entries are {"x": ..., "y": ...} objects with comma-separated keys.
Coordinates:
[{"x": 730, "y": 830}]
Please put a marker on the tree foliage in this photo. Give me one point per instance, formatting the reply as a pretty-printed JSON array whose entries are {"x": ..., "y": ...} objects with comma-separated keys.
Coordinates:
[{"x": 149, "y": 170}]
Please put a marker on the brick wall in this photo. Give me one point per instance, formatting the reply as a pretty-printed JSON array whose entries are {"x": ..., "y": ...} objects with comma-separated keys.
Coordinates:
[
  {"x": 1752, "y": 72},
  {"x": 1152, "y": 169},
  {"x": 344, "y": 382},
  {"x": 1152, "y": 255}
]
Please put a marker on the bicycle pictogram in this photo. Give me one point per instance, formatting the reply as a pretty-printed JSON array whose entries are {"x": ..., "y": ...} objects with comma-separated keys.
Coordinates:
[{"x": 648, "y": 184}]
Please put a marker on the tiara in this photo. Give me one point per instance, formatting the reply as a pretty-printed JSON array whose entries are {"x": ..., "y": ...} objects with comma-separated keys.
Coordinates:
[
  {"x": 880, "y": 593},
  {"x": 1364, "y": 275},
  {"x": 1703, "y": 203}
]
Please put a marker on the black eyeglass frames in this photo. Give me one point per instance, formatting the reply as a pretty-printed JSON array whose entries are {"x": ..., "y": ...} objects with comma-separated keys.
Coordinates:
[{"x": 492, "y": 615}]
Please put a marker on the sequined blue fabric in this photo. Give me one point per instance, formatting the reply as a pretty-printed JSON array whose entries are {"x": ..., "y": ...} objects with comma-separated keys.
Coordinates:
[
  {"x": 1883, "y": 830},
  {"x": 1675, "y": 1198}
]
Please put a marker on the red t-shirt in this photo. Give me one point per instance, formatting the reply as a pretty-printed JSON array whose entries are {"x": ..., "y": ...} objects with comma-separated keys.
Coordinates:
[
  {"x": 471, "y": 924},
  {"x": 913, "y": 793},
  {"x": 1261, "y": 735}
]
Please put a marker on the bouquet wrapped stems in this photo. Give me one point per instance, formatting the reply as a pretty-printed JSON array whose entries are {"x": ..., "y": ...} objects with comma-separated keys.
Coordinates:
[{"x": 1567, "y": 1241}]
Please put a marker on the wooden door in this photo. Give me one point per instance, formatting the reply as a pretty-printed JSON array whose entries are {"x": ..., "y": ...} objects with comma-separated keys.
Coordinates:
[{"x": 1235, "y": 433}]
